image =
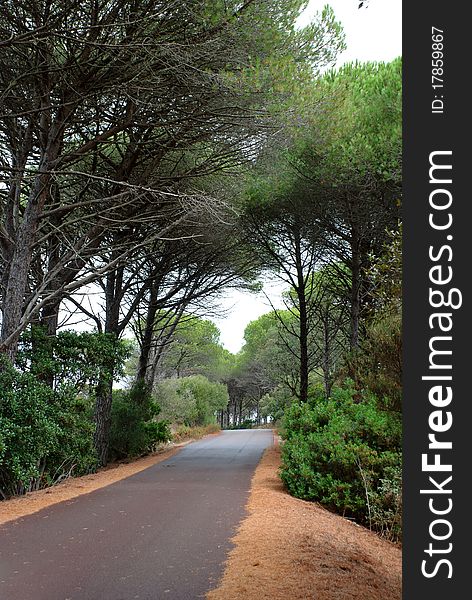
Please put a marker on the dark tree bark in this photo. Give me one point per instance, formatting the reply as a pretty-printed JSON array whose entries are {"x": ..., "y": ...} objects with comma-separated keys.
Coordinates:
[
  {"x": 301, "y": 292},
  {"x": 104, "y": 391},
  {"x": 18, "y": 272},
  {"x": 356, "y": 283},
  {"x": 326, "y": 364},
  {"x": 147, "y": 338}
]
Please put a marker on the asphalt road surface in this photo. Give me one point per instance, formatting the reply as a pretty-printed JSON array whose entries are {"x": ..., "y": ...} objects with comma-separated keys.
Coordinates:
[{"x": 160, "y": 534}]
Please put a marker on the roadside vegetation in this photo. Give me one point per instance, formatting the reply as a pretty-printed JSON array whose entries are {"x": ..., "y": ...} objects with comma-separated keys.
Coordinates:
[{"x": 155, "y": 156}]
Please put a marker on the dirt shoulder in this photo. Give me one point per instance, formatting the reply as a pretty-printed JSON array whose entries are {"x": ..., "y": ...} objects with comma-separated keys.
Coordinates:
[
  {"x": 76, "y": 486},
  {"x": 291, "y": 549}
]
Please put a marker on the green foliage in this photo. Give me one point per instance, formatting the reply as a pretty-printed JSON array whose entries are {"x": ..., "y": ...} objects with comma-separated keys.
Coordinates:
[
  {"x": 259, "y": 333},
  {"x": 284, "y": 58},
  {"x": 178, "y": 405},
  {"x": 268, "y": 354},
  {"x": 135, "y": 429},
  {"x": 377, "y": 366},
  {"x": 46, "y": 407},
  {"x": 275, "y": 403},
  {"x": 352, "y": 140},
  {"x": 343, "y": 453},
  {"x": 385, "y": 271},
  {"x": 195, "y": 349},
  {"x": 45, "y": 434},
  {"x": 386, "y": 504},
  {"x": 361, "y": 126},
  {"x": 208, "y": 396},
  {"x": 191, "y": 400},
  {"x": 71, "y": 358}
]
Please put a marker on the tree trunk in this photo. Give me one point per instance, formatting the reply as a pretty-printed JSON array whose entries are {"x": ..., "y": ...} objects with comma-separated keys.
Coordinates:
[
  {"x": 235, "y": 413},
  {"x": 303, "y": 317},
  {"x": 19, "y": 268},
  {"x": 146, "y": 344},
  {"x": 102, "y": 418},
  {"x": 104, "y": 392},
  {"x": 356, "y": 280},
  {"x": 50, "y": 317},
  {"x": 326, "y": 358},
  {"x": 48, "y": 323},
  {"x": 303, "y": 350},
  {"x": 16, "y": 283}
]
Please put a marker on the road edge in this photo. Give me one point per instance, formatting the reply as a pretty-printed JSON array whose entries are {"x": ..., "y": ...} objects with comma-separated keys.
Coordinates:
[{"x": 32, "y": 502}]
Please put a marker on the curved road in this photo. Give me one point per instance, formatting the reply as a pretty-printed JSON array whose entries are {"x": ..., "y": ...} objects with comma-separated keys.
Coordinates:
[{"x": 160, "y": 534}]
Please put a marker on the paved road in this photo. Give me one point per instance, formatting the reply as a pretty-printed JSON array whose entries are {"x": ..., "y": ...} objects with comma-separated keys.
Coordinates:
[{"x": 160, "y": 534}]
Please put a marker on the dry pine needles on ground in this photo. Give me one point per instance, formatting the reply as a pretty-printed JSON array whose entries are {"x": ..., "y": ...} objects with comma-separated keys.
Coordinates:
[{"x": 295, "y": 550}]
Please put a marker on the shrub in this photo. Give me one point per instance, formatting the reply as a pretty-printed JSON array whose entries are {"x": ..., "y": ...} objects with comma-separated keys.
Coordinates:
[
  {"x": 178, "y": 405},
  {"x": 45, "y": 434},
  {"x": 135, "y": 429},
  {"x": 75, "y": 453},
  {"x": 344, "y": 454},
  {"x": 275, "y": 403},
  {"x": 386, "y": 504},
  {"x": 72, "y": 358},
  {"x": 377, "y": 366},
  {"x": 191, "y": 400}
]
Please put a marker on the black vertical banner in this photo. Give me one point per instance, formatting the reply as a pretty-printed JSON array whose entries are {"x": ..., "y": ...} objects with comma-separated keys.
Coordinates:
[{"x": 437, "y": 307}]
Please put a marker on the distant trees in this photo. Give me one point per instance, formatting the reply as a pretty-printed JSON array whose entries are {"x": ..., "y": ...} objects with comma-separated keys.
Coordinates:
[
  {"x": 286, "y": 241},
  {"x": 257, "y": 368},
  {"x": 184, "y": 344},
  {"x": 194, "y": 349},
  {"x": 192, "y": 401},
  {"x": 190, "y": 369}
]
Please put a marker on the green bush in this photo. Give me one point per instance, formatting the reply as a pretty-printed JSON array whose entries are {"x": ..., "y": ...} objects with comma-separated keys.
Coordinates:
[
  {"x": 72, "y": 358},
  {"x": 135, "y": 429},
  {"x": 386, "y": 504},
  {"x": 45, "y": 434},
  {"x": 191, "y": 401},
  {"x": 377, "y": 365},
  {"x": 275, "y": 403},
  {"x": 344, "y": 454},
  {"x": 178, "y": 405}
]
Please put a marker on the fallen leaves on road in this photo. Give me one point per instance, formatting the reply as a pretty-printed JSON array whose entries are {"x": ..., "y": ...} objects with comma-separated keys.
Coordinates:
[{"x": 295, "y": 550}]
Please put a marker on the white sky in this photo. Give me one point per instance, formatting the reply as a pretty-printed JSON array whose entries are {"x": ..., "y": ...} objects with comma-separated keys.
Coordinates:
[{"x": 372, "y": 34}]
